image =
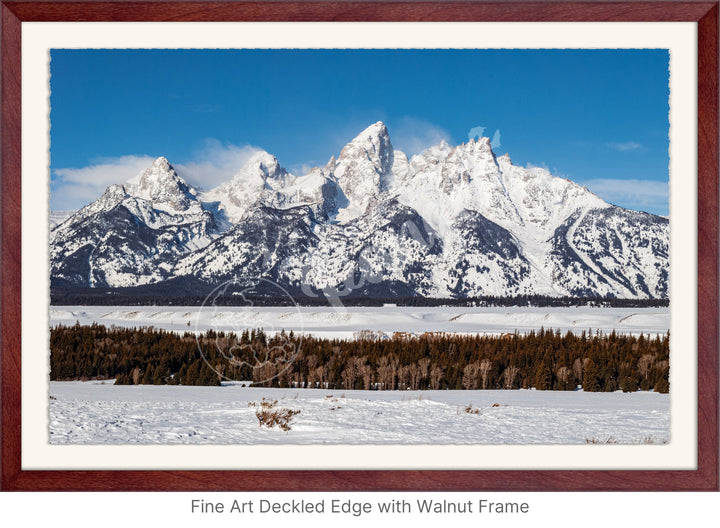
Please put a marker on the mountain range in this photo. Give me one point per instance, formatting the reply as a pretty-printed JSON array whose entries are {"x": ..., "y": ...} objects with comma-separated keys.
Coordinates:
[{"x": 451, "y": 222}]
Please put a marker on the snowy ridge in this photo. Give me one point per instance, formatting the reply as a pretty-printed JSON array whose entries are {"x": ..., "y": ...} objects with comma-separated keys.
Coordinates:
[
  {"x": 347, "y": 322},
  {"x": 450, "y": 222},
  {"x": 58, "y": 217}
]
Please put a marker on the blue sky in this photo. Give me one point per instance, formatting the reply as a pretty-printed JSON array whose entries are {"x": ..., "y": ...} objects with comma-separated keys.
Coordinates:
[{"x": 598, "y": 117}]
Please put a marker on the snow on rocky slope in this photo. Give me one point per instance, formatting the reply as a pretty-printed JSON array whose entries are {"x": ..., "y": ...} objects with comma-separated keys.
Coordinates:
[
  {"x": 58, "y": 217},
  {"x": 133, "y": 233},
  {"x": 450, "y": 222}
]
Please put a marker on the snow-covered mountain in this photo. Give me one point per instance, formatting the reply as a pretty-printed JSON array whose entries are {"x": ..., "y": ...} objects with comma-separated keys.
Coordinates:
[
  {"x": 133, "y": 233},
  {"x": 450, "y": 222}
]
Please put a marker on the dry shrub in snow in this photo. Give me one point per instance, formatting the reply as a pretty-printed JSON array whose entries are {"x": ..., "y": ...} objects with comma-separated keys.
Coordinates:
[{"x": 269, "y": 416}]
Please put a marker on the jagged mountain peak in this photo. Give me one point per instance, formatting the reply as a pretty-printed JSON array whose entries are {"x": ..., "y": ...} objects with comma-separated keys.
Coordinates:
[
  {"x": 113, "y": 195},
  {"x": 377, "y": 129},
  {"x": 161, "y": 185},
  {"x": 261, "y": 180},
  {"x": 370, "y": 149},
  {"x": 364, "y": 169},
  {"x": 161, "y": 162},
  {"x": 479, "y": 150},
  {"x": 263, "y": 165},
  {"x": 159, "y": 173},
  {"x": 160, "y": 168},
  {"x": 480, "y": 142},
  {"x": 432, "y": 155}
]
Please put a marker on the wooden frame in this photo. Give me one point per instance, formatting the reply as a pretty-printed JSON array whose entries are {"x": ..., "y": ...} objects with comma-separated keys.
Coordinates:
[{"x": 704, "y": 478}]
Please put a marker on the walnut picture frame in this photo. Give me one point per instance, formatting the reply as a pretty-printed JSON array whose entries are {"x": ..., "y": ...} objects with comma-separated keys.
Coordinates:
[{"x": 704, "y": 478}]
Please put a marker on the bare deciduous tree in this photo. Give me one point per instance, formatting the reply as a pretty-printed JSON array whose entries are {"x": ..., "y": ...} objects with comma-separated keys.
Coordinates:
[
  {"x": 485, "y": 367},
  {"x": 578, "y": 368},
  {"x": 563, "y": 374},
  {"x": 219, "y": 369},
  {"x": 645, "y": 363},
  {"x": 264, "y": 372},
  {"x": 365, "y": 372},
  {"x": 316, "y": 377},
  {"x": 436, "y": 374},
  {"x": 414, "y": 374},
  {"x": 387, "y": 371},
  {"x": 470, "y": 377},
  {"x": 352, "y": 371},
  {"x": 509, "y": 375},
  {"x": 404, "y": 377},
  {"x": 424, "y": 365}
]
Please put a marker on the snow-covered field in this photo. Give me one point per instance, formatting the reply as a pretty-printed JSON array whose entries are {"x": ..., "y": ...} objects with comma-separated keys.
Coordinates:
[
  {"x": 101, "y": 413},
  {"x": 345, "y": 322},
  {"x": 96, "y": 412}
]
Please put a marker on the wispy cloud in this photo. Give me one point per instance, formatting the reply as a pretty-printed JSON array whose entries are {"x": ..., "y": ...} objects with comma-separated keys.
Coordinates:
[
  {"x": 643, "y": 195},
  {"x": 105, "y": 171},
  {"x": 304, "y": 168},
  {"x": 413, "y": 136},
  {"x": 214, "y": 163},
  {"x": 627, "y": 146},
  {"x": 541, "y": 165},
  {"x": 72, "y": 188},
  {"x": 210, "y": 165}
]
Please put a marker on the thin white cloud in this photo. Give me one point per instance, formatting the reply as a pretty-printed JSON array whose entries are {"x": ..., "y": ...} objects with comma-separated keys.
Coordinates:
[
  {"x": 627, "y": 146},
  {"x": 214, "y": 163},
  {"x": 554, "y": 171},
  {"x": 413, "y": 136},
  {"x": 303, "y": 168},
  {"x": 541, "y": 165},
  {"x": 72, "y": 188},
  {"x": 105, "y": 171},
  {"x": 643, "y": 195}
]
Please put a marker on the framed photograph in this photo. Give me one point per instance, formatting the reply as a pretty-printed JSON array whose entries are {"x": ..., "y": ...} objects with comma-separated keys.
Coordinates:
[{"x": 359, "y": 246}]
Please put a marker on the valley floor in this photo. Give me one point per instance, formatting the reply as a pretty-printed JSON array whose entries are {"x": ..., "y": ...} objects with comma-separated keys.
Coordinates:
[
  {"x": 344, "y": 323},
  {"x": 97, "y": 412}
]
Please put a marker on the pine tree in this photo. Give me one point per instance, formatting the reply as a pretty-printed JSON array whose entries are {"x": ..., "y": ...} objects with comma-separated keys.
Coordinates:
[
  {"x": 192, "y": 374},
  {"x": 663, "y": 386},
  {"x": 147, "y": 376},
  {"x": 628, "y": 384},
  {"x": 591, "y": 377},
  {"x": 543, "y": 377}
]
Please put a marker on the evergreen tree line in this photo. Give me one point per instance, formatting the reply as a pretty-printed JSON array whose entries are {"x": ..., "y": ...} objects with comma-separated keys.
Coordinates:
[
  {"x": 122, "y": 297},
  {"x": 544, "y": 360}
]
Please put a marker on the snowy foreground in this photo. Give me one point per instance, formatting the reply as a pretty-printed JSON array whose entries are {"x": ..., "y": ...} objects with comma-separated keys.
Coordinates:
[
  {"x": 344, "y": 323},
  {"x": 101, "y": 413}
]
